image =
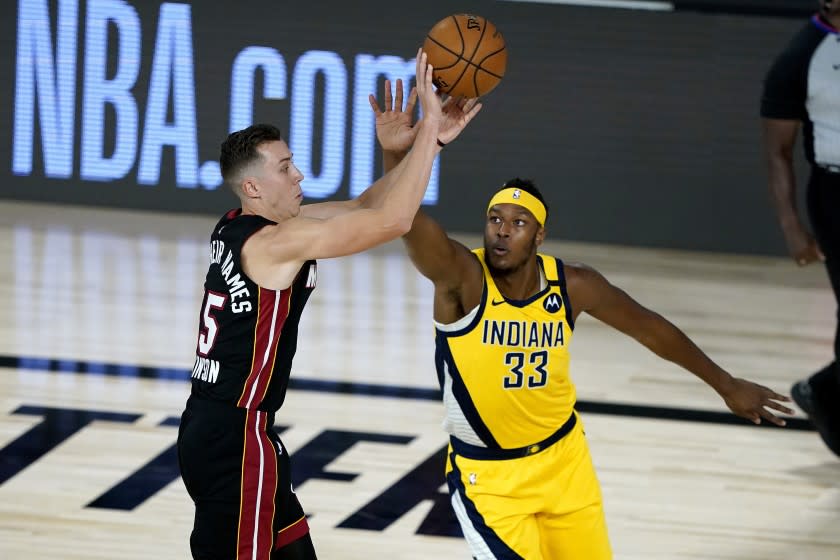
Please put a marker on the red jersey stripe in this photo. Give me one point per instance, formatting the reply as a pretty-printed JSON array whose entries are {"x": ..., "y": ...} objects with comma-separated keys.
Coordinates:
[
  {"x": 258, "y": 487},
  {"x": 273, "y": 310},
  {"x": 265, "y": 379},
  {"x": 291, "y": 533}
]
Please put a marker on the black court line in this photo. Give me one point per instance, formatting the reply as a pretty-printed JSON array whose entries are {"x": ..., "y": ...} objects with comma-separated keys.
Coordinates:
[{"x": 377, "y": 390}]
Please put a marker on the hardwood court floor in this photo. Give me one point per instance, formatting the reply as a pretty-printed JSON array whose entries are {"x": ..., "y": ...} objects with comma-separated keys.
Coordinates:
[{"x": 100, "y": 315}]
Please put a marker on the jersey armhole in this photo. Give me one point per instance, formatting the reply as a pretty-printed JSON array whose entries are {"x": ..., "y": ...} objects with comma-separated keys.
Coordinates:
[
  {"x": 466, "y": 323},
  {"x": 567, "y": 302}
]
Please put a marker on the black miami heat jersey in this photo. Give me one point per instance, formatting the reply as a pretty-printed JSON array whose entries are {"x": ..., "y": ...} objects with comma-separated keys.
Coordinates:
[{"x": 247, "y": 334}]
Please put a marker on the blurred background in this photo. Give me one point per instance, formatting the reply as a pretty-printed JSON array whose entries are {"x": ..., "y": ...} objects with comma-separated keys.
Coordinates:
[
  {"x": 640, "y": 124},
  {"x": 638, "y": 119}
]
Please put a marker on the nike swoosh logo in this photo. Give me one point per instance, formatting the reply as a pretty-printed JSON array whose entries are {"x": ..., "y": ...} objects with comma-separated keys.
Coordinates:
[{"x": 494, "y": 302}]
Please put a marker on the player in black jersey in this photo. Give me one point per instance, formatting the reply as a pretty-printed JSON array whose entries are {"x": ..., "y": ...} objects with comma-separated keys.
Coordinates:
[
  {"x": 262, "y": 270},
  {"x": 802, "y": 90}
]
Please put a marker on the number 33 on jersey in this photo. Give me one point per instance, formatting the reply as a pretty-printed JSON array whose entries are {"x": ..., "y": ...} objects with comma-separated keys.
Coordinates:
[{"x": 504, "y": 368}]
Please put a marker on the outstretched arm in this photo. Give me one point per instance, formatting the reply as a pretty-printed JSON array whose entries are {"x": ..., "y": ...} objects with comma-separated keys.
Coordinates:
[
  {"x": 302, "y": 238},
  {"x": 395, "y": 131},
  {"x": 441, "y": 259},
  {"x": 399, "y": 125},
  {"x": 592, "y": 293},
  {"x": 396, "y": 122}
]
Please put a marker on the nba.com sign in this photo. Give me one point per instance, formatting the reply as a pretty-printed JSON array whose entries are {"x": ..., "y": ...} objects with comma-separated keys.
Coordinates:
[{"x": 112, "y": 91}]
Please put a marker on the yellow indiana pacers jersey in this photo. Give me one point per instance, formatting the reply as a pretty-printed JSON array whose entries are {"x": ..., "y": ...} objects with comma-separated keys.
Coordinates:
[{"x": 504, "y": 368}]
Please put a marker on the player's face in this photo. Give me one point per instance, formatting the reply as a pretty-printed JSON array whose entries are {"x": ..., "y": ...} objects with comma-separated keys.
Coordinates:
[
  {"x": 279, "y": 179},
  {"x": 511, "y": 237}
]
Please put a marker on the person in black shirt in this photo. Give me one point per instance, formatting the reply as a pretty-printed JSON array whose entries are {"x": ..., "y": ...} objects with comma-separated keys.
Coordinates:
[
  {"x": 802, "y": 91},
  {"x": 262, "y": 270}
]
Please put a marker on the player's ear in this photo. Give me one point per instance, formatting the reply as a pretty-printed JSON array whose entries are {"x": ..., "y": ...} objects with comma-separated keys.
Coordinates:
[
  {"x": 249, "y": 187},
  {"x": 540, "y": 236}
]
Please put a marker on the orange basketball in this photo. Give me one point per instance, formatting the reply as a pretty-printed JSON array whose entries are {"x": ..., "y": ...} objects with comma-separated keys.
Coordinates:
[{"x": 468, "y": 54}]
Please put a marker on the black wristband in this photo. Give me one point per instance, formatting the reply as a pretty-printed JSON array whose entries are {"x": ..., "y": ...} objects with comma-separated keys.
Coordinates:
[{"x": 441, "y": 144}]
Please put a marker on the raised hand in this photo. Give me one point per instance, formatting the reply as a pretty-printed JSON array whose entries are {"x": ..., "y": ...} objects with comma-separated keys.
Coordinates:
[
  {"x": 394, "y": 128},
  {"x": 752, "y": 401},
  {"x": 457, "y": 113}
]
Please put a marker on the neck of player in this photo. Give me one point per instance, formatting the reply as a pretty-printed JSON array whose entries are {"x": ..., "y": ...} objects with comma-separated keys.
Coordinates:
[{"x": 521, "y": 283}]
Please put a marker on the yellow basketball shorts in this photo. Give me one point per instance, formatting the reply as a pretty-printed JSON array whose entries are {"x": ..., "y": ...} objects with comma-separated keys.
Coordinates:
[{"x": 544, "y": 506}]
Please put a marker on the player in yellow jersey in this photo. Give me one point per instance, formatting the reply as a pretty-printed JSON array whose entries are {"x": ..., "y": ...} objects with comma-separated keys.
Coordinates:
[{"x": 519, "y": 472}]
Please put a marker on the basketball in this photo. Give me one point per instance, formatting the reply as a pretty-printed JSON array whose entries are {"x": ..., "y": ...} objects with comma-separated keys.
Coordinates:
[{"x": 468, "y": 54}]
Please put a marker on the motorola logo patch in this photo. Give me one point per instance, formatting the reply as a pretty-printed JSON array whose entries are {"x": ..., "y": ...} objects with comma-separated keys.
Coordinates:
[{"x": 552, "y": 303}]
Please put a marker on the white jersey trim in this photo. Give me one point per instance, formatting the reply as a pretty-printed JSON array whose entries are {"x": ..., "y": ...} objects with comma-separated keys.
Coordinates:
[{"x": 478, "y": 547}]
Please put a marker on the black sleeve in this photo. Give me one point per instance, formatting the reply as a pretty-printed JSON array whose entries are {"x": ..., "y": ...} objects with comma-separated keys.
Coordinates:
[
  {"x": 785, "y": 87},
  {"x": 786, "y": 83}
]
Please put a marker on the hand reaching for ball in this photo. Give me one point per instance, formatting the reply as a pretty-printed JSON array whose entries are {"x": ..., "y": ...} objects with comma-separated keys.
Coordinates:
[
  {"x": 395, "y": 129},
  {"x": 457, "y": 113}
]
